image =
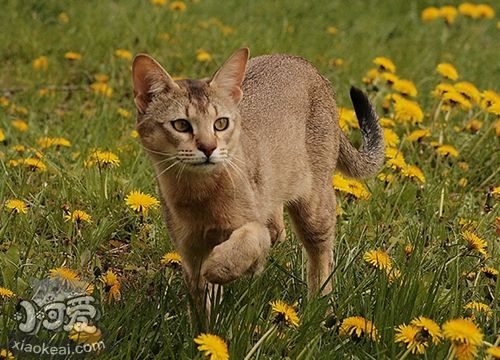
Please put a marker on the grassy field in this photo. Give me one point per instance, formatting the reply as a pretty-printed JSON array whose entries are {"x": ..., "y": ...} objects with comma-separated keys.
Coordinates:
[{"x": 429, "y": 215}]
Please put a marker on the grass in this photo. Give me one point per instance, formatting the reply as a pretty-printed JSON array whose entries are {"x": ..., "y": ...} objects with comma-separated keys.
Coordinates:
[{"x": 151, "y": 320}]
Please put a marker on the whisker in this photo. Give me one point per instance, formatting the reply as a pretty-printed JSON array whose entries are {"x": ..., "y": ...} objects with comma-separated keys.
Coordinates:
[
  {"x": 168, "y": 168},
  {"x": 157, "y": 152},
  {"x": 165, "y": 160},
  {"x": 231, "y": 179}
]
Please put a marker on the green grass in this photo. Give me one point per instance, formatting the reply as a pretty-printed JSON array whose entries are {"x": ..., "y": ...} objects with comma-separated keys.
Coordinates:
[{"x": 151, "y": 320}]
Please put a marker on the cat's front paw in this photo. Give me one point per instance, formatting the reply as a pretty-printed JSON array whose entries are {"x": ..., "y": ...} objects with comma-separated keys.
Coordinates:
[{"x": 220, "y": 268}]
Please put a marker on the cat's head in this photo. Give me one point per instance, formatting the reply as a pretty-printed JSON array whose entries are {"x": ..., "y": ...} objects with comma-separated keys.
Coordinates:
[{"x": 190, "y": 123}]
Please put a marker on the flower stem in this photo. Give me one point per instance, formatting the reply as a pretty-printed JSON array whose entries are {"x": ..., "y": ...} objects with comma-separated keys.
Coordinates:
[{"x": 268, "y": 333}]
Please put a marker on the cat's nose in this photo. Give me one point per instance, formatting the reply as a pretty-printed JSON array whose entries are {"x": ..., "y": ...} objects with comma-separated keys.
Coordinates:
[{"x": 207, "y": 149}]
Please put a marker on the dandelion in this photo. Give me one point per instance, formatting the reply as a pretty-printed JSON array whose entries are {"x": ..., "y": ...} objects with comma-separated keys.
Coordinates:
[
  {"x": 485, "y": 11},
  {"x": 5, "y": 354},
  {"x": 72, "y": 56},
  {"x": 385, "y": 64},
  {"x": 447, "y": 150},
  {"x": 351, "y": 187},
  {"x": 124, "y": 113},
  {"x": 177, "y": 6},
  {"x": 465, "y": 337},
  {"x": 6, "y": 293},
  {"x": 203, "y": 56},
  {"x": 111, "y": 285},
  {"x": 63, "y": 18},
  {"x": 453, "y": 98},
  {"x": 387, "y": 178},
  {"x": 332, "y": 30},
  {"x": 64, "y": 274},
  {"x": 284, "y": 314},
  {"x": 83, "y": 333},
  {"x": 494, "y": 351},
  {"x": 123, "y": 54},
  {"x": 212, "y": 346},
  {"x": 371, "y": 76},
  {"x": 40, "y": 63},
  {"x": 442, "y": 89},
  {"x": 410, "y": 335},
  {"x": 134, "y": 134},
  {"x": 468, "y": 9},
  {"x": 413, "y": 172},
  {"x": 387, "y": 123},
  {"x": 378, "y": 259},
  {"x": 102, "y": 159},
  {"x": 475, "y": 243},
  {"x": 430, "y": 13},
  {"x": 448, "y": 13},
  {"x": 45, "y": 142},
  {"x": 494, "y": 109},
  {"x": 489, "y": 97},
  {"x": 140, "y": 202},
  {"x": 34, "y": 164},
  {"x": 20, "y": 125},
  {"x": 357, "y": 327},
  {"x": 79, "y": 217},
  {"x": 391, "y": 139},
  {"x": 407, "y": 111},
  {"x": 448, "y": 71},
  {"x": 101, "y": 78},
  {"x": 397, "y": 163},
  {"x": 16, "y": 206},
  {"x": 101, "y": 88},
  {"x": 347, "y": 119},
  {"x": 418, "y": 135},
  {"x": 172, "y": 258},
  {"x": 479, "y": 308},
  {"x": 158, "y": 2},
  {"x": 405, "y": 87},
  {"x": 473, "y": 125},
  {"x": 490, "y": 272},
  {"x": 409, "y": 249},
  {"x": 429, "y": 328},
  {"x": 2, "y": 136},
  {"x": 469, "y": 91}
]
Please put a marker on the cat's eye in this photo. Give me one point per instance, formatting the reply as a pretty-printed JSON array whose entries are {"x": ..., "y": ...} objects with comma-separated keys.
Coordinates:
[
  {"x": 221, "y": 124},
  {"x": 181, "y": 125}
]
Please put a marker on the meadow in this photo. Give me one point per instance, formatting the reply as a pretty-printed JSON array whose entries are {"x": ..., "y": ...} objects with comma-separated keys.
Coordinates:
[{"x": 417, "y": 251}]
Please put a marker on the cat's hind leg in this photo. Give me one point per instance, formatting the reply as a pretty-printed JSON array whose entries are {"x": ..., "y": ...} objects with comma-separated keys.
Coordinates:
[
  {"x": 243, "y": 253},
  {"x": 313, "y": 219},
  {"x": 276, "y": 226}
]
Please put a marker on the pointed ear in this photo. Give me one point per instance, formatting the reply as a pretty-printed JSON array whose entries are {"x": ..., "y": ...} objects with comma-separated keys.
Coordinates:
[
  {"x": 149, "y": 79},
  {"x": 229, "y": 77}
]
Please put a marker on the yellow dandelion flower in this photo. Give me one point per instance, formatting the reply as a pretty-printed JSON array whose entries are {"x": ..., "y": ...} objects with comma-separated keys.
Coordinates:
[
  {"x": 464, "y": 351},
  {"x": 140, "y": 202},
  {"x": 411, "y": 336},
  {"x": 79, "y": 217},
  {"x": 462, "y": 331},
  {"x": 83, "y": 333},
  {"x": 177, "y": 6},
  {"x": 350, "y": 186},
  {"x": 489, "y": 97},
  {"x": 463, "y": 182},
  {"x": 332, "y": 30},
  {"x": 473, "y": 125},
  {"x": 45, "y": 142},
  {"x": 453, "y": 98},
  {"x": 468, "y": 90},
  {"x": 40, "y": 63},
  {"x": 20, "y": 125},
  {"x": 172, "y": 258},
  {"x": 387, "y": 123},
  {"x": 112, "y": 285},
  {"x": 347, "y": 119},
  {"x": 2, "y": 136},
  {"x": 212, "y": 346},
  {"x": 5, "y": 354},
  {"x": 158, "y": 2},
  {"x": 494, "y": 109},
  {"x": 378, "y": 259},
  {"x": 468, "y": 9},
  {"x": 6, "y": 293},
  {"x": 448, "y": 13},
  {"x": 70, "y": 55},
  {"x": 4, "y": 101},
  {"x": 385, "y": 64},
  {"x": 430, "y": 13},
  {"x": 442, "y": 89},
  {"x": 418, "y": 135},
  {"x": 393, "y": 153},
  {"x": 101, "y": 78},
  {"x": 447, "y": 71},
  {"x": 479, "y": 308},
  {"x": 124, "y": 113},
  {"x": 63, "y": 18},
  {"x": 34, "y": 164},
  {"x": 102, "y": 159},
  {"x": 407, "y": 111},
  {"x": 284, "y": 314},
  {"x": 413, "y": 172},
  {"x": 102, "y": 89},
  {"x": 462, "y": 165},
  {"x": 371, "y": 76},
  {"x": 494, "y": 351},
  {"x": 398, "y": 163},
  {"x": 391, "y": 139},
  {"x": 134, "y": 134},
  {"x": 489, "y": 272},
  {"x": 409, "y": 249},
  {"x": 64, "y": 274},
  {"x": 203, "y": 56},
  {"x": 387, "y": 178},
  {"x": 497, "y": 128},
  {"x": 475, "y": 243},
  {"x": 17, "y": 206},
  {"x": 485, "y": 11},
  {"x": 389, "y": 77},
  {"x": 123, "y": 54},
  {"x": 405, "y": 87},
  {"x": 447, "y": 150},
  {"x": 357, "y": 327},
  {"x": 429, "y": 329}
]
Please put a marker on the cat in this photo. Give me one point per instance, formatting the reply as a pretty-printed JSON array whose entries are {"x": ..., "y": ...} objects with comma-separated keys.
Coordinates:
[{"x": 230, "y": 152}]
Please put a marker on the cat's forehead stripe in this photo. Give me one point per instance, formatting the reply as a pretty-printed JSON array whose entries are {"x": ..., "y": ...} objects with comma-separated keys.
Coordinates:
[{"x": 197, "y": 94}]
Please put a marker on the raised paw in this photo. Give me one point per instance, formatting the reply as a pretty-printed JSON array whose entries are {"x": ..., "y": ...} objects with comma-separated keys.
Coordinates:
[{"x": 221, "y": 266}]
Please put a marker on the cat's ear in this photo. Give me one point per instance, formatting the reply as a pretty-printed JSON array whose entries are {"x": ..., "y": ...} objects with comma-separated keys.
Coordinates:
[
  {"x": 229, "y": 77},
  {"x": 149, "y": 79}
]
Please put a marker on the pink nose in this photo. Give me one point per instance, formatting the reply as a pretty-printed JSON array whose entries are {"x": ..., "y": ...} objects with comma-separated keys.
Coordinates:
[{"x": 207, "y": 149}]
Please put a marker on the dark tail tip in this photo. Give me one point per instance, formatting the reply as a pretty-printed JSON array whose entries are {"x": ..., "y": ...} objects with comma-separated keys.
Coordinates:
[{"x": 362, "y": 107}]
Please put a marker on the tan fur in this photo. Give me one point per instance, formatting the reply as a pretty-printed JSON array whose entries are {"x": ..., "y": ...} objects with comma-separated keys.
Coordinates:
[{"x": 281, "y": 149}]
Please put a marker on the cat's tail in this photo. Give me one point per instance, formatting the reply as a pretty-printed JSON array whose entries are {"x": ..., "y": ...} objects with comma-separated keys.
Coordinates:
[{"x": 367, "y": 161}]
